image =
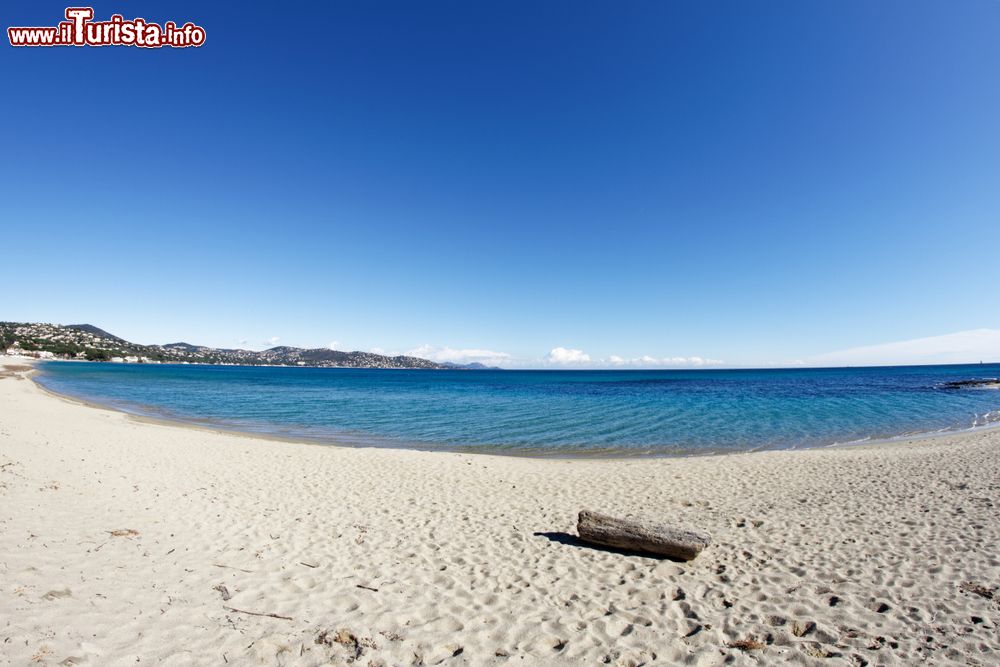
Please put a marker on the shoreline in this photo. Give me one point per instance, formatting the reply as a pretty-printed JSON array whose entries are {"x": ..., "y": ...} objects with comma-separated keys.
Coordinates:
[
  {"x": 127, "y": 541},
  {"x": 555, "y": 454}
]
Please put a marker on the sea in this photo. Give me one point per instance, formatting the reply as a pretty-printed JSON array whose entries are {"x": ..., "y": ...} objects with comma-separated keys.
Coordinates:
[{"x": 548, "y": 412}]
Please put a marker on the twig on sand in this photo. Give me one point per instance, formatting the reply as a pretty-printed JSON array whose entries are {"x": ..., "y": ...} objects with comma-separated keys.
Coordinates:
[
  {"x": 255, "y": 613},
  {"x": 978, "y": 589},
  {"x": 749, "y": 644},
  {"x": 122, "y": 532},
  {"x": 230, "y": 567},
  {"x": 367, "y": 588},
  {"x": 307, "y": 564}
]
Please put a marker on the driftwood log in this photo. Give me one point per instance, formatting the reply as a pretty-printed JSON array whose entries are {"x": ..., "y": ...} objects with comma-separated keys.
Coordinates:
[{"x": 639, "y": 535}]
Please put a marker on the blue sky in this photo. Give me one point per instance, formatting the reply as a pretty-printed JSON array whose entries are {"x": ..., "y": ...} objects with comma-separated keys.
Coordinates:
[{"x": 650, "y": 182}]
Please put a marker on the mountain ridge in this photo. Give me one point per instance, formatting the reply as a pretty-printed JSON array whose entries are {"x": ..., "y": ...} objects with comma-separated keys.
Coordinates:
[{"x": 91, "y": 343}]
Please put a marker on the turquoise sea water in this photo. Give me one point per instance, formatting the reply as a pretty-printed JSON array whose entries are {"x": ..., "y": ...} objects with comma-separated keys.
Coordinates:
[{"x": 554, "y": 412}]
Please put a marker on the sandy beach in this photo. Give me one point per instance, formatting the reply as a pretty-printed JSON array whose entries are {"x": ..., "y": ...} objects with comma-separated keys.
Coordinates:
[{"x": 127, "y": 542}]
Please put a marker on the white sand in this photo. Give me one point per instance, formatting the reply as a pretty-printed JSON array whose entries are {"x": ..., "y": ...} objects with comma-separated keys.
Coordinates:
[{"x": 861, "y": 551}]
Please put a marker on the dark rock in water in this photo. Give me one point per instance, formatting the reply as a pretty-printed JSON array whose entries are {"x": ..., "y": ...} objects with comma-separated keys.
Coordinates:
[{"x": 989, "y": 383}]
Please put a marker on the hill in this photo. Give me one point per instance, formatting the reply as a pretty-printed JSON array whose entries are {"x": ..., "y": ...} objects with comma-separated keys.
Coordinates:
[{"x": 85, "y": 341}]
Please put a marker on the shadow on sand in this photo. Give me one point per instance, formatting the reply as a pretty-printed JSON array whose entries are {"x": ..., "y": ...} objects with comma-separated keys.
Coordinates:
[{"x": 574, "y": 541}]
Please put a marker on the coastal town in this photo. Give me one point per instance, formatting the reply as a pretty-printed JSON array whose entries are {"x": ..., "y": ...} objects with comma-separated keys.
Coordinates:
[{"x": 85, "y": 342}]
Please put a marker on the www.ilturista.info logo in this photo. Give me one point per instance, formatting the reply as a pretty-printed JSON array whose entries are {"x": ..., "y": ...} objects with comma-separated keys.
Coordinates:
[{"x": 79, "y": 29}]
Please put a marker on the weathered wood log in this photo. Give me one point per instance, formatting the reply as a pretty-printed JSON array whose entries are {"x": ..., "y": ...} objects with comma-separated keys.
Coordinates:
[{"x": 639, "y": 535}]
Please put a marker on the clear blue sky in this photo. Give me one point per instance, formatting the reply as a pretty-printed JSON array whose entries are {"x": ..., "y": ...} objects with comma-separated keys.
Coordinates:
[{"x": 749, "y": 182}]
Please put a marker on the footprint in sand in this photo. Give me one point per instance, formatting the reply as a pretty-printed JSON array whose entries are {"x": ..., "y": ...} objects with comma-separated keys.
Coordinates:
[
  {"x": 55, "y": 595},
  {"x": 878, "y": 606}
]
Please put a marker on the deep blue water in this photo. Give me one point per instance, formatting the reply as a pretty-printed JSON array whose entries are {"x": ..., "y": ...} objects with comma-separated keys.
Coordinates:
[{"x": 557, "y": 412}]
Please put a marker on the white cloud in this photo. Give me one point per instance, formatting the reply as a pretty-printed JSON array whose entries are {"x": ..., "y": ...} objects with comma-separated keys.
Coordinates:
[
  {"x": 460, "y": 356},
  {"x": 334, "y": 345},
  {"x": 377, "y": 350},
  {"x": 272, "y": 341},
  {"x": 647, "y": 361},
  {"x": 962, "y": 347},
  {"x": 562, "y": 356}
]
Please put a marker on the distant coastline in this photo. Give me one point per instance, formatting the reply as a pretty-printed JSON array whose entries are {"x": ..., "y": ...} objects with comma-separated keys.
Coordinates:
[{"x": 85, "y": 342}]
